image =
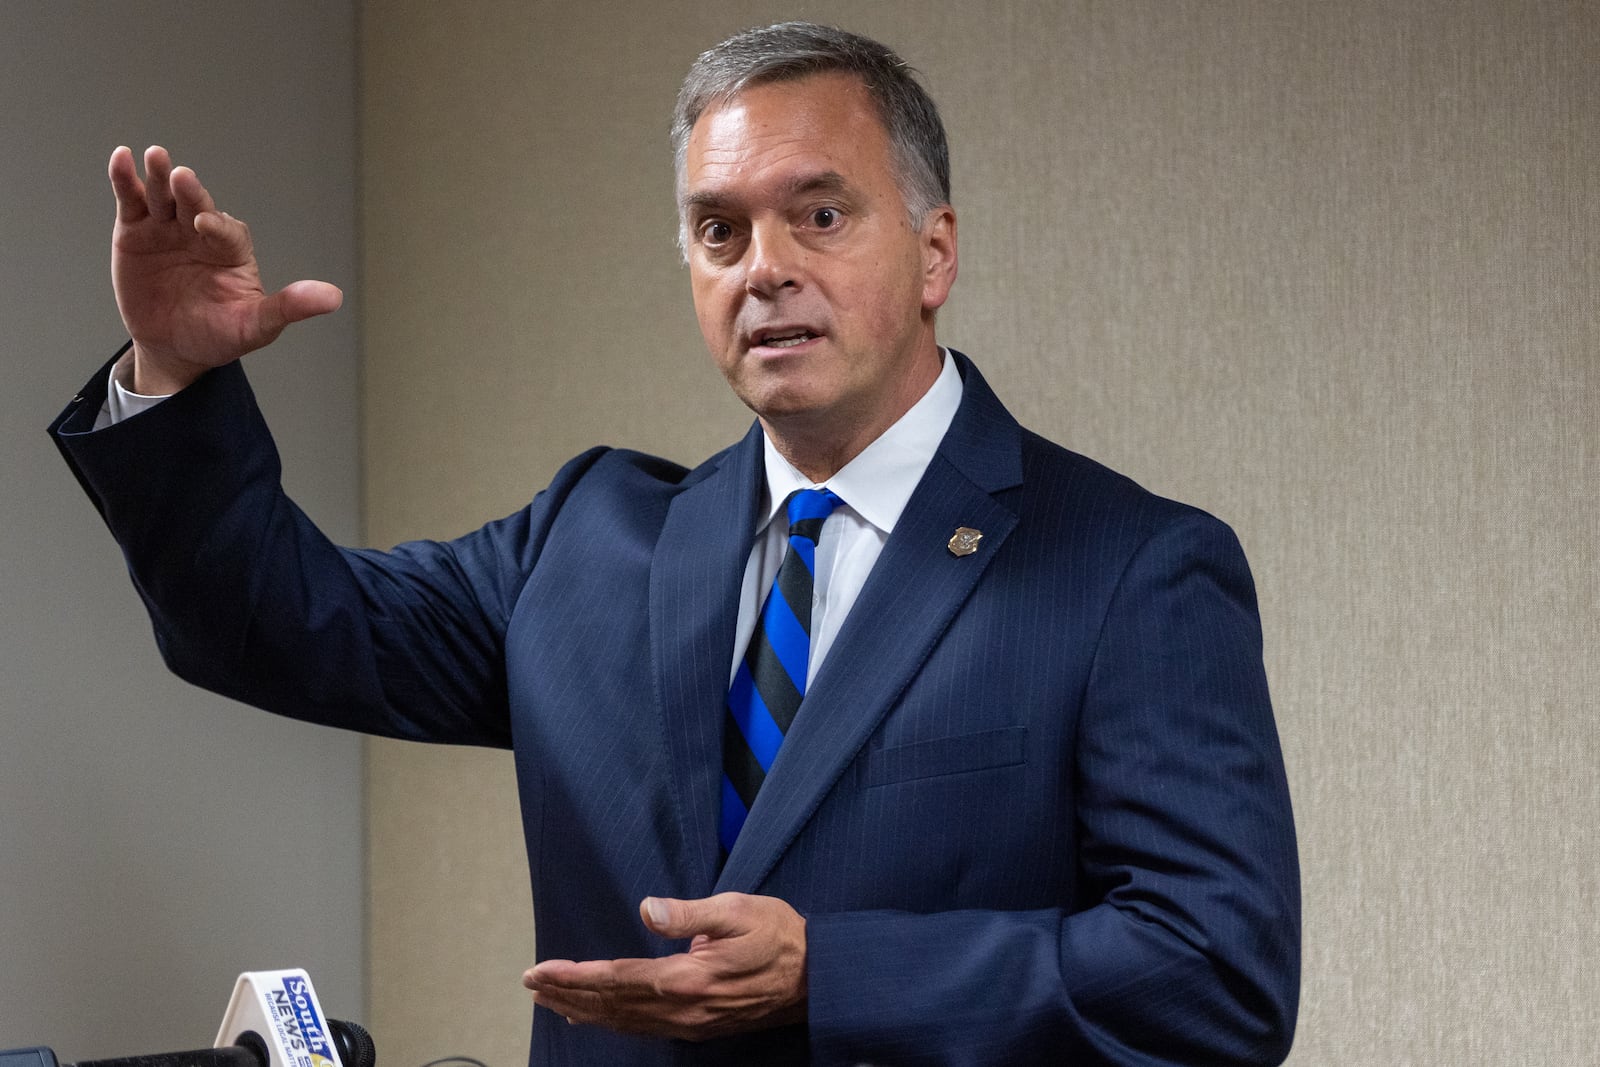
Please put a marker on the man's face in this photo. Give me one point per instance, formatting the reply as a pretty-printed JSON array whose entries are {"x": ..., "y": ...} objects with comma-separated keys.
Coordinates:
[{"x": 815, "y": 294}]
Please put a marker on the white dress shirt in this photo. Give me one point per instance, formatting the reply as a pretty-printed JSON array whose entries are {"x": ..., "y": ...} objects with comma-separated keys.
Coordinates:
[
  {"x": 874, "y": 487},
  {"x": 122, "y": 402}
]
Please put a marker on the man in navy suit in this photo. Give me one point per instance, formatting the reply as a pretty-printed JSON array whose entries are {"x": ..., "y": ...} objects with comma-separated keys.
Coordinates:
[{"x": 1031, "y": 807}]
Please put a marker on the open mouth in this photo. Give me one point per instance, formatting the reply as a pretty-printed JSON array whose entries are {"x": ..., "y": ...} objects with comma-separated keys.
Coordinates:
[{"x": 784, "y": 338}]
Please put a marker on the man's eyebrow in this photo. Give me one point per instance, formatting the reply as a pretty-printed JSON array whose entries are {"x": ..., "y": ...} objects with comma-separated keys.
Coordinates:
[
  {"x": 828, "y": 181},
  {"x": 708, "y": 201}
]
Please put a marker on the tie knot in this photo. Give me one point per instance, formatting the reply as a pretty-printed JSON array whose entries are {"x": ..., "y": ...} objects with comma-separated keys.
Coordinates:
[{"x": 807, "y": 509}]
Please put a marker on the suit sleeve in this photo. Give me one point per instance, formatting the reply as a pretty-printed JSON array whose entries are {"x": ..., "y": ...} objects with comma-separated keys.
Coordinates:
[
  {"x": 1183, "y": 944},
  {"x": 247, "y": 598}
]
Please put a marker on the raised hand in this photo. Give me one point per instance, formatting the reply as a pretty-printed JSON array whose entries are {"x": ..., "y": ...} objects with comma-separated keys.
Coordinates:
[
  {"x": 745, "y": 969},
  {"x": 186, "y": 278}
]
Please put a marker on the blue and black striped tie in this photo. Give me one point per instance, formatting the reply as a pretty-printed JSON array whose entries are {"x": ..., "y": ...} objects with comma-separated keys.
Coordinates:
[{"x": 771, "y": 679}]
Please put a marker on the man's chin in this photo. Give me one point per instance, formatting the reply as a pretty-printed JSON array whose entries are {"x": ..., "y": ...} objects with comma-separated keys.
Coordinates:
[
  {"x": 788, "y": 406},
  {"x": 779, "y": 396}
]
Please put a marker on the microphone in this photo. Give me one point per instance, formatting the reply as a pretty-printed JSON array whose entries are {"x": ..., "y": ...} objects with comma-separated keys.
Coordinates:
[
  {"x": 351, "y": 1040},
  {"x": 280, "y": 1009},
  {"x": 273, "y": 1020}
]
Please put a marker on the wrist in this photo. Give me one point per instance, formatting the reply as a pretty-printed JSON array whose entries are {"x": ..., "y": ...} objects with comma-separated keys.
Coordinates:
[{"x": 142, "y": 374}]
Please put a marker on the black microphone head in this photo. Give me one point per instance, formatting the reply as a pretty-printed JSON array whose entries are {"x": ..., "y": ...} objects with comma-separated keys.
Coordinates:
[
  {"x": 354, "y": 1043},
  {"x": 249, "y": 1039}
]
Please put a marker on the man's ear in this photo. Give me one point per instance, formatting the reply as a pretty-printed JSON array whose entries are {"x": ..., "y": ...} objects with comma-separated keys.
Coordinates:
[{"x": 938, "y": 256}]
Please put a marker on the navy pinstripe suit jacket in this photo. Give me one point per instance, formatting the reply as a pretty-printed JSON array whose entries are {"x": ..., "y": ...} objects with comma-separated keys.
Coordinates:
[{"x": 1033, "y": 809}]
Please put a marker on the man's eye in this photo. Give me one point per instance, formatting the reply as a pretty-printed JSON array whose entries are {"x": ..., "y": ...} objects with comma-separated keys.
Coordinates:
[
  {"x": 824, "y": 218},
  {"x": 715, "y": 233}
]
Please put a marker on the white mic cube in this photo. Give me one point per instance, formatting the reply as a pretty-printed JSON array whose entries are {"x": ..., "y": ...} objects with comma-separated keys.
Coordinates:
[{"x": 280, "y": 1007}]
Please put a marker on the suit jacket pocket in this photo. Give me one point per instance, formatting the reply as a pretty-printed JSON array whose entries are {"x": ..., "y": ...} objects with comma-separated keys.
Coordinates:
[{"x": 948, "y": 755}]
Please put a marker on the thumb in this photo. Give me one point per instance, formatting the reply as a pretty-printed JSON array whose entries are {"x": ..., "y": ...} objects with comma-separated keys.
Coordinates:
[
  {"x": 688, "y": 918},
  {"x": 302, "y": 300},
  {"x": 297, "y": 301}
]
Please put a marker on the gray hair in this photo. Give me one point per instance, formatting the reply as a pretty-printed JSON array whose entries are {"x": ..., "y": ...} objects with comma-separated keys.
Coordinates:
[{"x": 789, "y": 51}]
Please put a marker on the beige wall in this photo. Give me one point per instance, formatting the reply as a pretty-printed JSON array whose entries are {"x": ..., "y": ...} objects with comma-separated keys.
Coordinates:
[{"x": 1328, "y": 270}]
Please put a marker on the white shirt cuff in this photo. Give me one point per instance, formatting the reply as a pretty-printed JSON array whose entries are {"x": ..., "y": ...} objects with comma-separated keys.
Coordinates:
[{"x": 122, "y": 402}]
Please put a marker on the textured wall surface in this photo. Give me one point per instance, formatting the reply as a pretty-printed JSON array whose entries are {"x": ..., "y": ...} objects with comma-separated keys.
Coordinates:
[
  {"x": 1327, "y": 270},
  {"x": 155, "y": 840}
]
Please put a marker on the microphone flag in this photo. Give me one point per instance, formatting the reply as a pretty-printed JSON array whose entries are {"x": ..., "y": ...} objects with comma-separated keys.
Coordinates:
[{"x": 281, "y": 1008}]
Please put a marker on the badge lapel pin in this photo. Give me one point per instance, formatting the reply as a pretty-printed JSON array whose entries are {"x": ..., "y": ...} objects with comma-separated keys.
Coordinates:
[{"x": 964, "y": 542}]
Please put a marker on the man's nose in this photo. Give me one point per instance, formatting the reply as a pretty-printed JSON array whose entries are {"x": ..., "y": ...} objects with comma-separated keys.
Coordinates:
[{"x": 773, "y": 259}]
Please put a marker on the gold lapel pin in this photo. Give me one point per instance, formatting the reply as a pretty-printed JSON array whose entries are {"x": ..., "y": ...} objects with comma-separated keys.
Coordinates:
[{"x": 964, "y": 542}]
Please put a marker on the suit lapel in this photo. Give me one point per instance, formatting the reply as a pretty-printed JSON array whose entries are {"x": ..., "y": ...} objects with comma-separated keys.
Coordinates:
[
  {"x": 913, "y": 592},
  {"x": 695, "y": 577}
]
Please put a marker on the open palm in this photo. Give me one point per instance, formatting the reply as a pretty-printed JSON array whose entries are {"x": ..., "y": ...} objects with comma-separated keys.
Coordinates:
[{"x": 186, "y": 278}]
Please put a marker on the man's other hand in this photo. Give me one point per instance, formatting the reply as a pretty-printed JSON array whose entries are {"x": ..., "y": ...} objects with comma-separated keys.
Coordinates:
[
  {"x": 745, "y": 969},
  {"x": 186, "y": 279}
]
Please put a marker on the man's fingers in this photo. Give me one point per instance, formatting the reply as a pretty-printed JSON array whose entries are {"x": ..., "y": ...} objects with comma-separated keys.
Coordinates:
[
  {"x": 688, "y": 995},
  {"x": 189, "y": 196},
  {"x": 548, "y": 972},
  {"x": 126, "y": 186},
  {"x": 667, "y": 997},
  {"x": 167, "y": 192},
  {"x": 158, "y": 182},
  {"x": 579, "y": 1005},
  {"x": 228, "y": 237},
  {"x": 588, "y": 974}
]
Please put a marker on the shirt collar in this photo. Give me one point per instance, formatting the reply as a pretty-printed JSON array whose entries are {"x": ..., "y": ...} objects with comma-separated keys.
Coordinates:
[{"x": 877, "y": 484}]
